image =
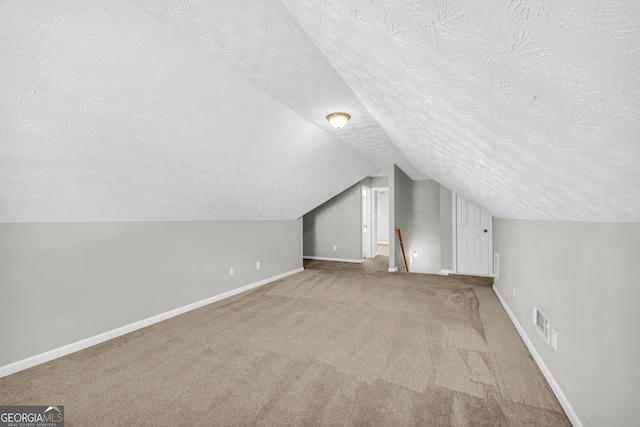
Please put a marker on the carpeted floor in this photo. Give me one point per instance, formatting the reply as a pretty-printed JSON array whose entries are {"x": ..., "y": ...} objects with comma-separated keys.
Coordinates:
[{"x": 338, "y": 344}]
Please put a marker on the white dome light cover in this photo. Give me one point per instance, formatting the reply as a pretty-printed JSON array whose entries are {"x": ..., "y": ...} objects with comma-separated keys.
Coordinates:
[{"x": 338, "y": 120}]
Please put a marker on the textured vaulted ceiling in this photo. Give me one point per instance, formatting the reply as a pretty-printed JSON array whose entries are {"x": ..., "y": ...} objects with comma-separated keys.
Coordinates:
[
  {"x": 529, "y": 108},
  {"x": 260, "y": 40},
  {"x": 192, "y": 109},
  {"x": 109, "y": 113}
]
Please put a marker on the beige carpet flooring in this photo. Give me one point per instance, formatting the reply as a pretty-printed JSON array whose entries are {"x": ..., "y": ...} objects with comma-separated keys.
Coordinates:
[{"x": 338, "y": 344}]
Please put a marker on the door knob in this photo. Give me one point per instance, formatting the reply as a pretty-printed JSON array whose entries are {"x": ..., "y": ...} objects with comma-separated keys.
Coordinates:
[{"x": 485, "y": 230}]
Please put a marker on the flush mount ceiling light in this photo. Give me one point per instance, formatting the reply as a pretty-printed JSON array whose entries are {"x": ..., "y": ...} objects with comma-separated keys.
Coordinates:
[{"x": 338, "y": 120}]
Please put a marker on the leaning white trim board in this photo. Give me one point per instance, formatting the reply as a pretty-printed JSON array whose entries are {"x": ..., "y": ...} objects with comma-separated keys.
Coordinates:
[
  {"x": 573, "y": 417},
  {"x": 30, "y": 362}
]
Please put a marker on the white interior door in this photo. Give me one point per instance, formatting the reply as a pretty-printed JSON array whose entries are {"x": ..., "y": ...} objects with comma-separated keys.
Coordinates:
[
  {"x": 473, "y": 238},
  {"x": 366, "y": 222}
]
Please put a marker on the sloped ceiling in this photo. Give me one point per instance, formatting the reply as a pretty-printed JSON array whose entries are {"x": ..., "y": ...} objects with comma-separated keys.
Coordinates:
[
  {"x": 108, "y": 113},
  {"x": 259, "y": 40},
  {"x": 529, "y": 108},
  {"x": 174, "y": 110}
]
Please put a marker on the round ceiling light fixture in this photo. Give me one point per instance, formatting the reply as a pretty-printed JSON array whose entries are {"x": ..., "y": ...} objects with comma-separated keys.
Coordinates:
[{"x": 338, "y": 120}]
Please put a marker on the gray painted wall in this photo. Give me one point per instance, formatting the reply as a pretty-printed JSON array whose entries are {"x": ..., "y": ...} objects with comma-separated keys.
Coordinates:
[
  {"x": 446, "y": 229},
  {"x": 425, "y": 238},
  {"x": 382, "y": 221},
  {"x": 337, "y": 222},
  {"x": 64, "y": 282},
  {"x": 425, "y": 223},
  {"x": 422, "y": 210},
  {"x": 379, "y": 181},
  {"x": 400, "y": 215},
  {"x": 586, "y": 277}
]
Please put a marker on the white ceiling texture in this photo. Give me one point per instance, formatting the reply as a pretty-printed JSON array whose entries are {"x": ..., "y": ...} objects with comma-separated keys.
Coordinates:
[{"x": 182, "y": 110}]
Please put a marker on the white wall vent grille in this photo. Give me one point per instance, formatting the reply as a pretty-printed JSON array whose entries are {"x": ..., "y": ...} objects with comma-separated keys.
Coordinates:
[{"x": 541, "y": 322}]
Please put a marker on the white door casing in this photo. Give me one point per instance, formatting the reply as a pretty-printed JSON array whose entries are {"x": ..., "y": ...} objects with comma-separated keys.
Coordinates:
[{"x": 472, "y": 239}]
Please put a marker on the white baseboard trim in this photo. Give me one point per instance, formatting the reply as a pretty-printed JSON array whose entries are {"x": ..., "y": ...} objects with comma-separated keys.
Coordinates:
[
  {"x": 446, "y": 272},
  {"x": 32, "y": 361},
  {"x": 383, "y": 243},
  {"x": 321, "y": 258},
  {"x": 392, "y": 269},
  {"x": 573, "y": 417}
]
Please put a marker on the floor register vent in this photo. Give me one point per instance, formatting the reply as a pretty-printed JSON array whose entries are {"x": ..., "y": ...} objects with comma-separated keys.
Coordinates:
[{"x": 541, "y": 323}]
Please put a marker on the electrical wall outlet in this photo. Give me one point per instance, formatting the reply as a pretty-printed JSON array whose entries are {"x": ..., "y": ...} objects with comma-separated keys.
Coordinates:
[
  {"x": 335, "y": 247},
  {"x": 232, "y": 271},
  {"x": 554, "y": 340},
  {"x": 258, "y": 265}
]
